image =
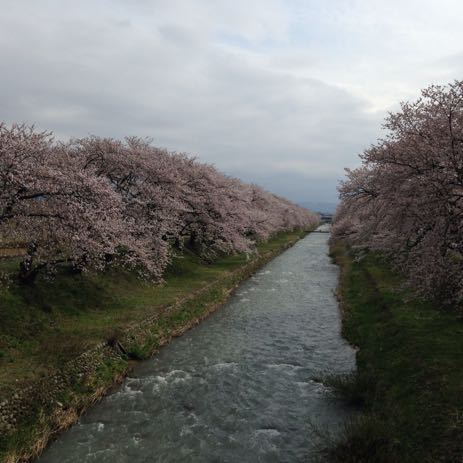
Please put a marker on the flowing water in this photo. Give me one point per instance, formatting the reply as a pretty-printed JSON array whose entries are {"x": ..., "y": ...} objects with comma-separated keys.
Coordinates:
[{"x": 240, "y": 387}]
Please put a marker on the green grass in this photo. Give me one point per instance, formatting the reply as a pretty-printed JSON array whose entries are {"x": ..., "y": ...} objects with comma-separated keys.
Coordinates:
[
  {"x": 44, "y": 325},
  {"x": 410, "y": 369},
  {"x": 48, "y": 324}
]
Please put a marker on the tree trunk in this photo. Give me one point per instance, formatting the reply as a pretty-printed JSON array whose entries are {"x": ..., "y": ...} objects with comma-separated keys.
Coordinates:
[
  {"x": 27, "y": 275},
  {"x": 27, "y": 272}
]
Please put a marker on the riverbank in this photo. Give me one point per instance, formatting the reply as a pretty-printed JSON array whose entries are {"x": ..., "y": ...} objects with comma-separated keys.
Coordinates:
[
  {"x": 241, "y": 386},
  {"x": 66, "y": 341},
  {"x": 409, "y": 378}
]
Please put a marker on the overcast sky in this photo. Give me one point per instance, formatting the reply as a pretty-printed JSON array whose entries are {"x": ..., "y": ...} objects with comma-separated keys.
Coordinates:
[{"x": 282, "y": 93}]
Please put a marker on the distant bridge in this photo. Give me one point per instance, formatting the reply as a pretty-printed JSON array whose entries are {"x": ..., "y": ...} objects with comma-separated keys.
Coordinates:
[{"x": 326, "y": 218}]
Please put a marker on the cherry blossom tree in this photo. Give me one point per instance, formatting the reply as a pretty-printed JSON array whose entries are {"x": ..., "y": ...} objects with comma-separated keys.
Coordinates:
[
  {"x": 407, "y": 198},
  {"x": 147, "y": 184},
  {"x": 93, "y": 202},
  {"x": 48, "y": 202},
  {"x": 174, "y": 200}
]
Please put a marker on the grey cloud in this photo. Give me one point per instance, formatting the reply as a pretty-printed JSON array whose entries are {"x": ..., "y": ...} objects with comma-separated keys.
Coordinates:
[{"x": 164, "y": 78}]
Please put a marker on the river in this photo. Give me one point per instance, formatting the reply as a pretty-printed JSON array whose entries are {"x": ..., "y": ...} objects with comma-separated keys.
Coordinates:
[{"x": 240, "y": 387}]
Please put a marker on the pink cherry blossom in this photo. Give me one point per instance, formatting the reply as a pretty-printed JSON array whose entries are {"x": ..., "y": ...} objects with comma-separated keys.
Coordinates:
[
  {"x": 407, "y": 198},
  {"x": 93, "y": 202}
]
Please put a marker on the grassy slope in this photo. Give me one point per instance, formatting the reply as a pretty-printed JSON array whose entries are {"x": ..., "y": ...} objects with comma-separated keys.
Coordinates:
[
  {"x": 410, "y": 369},
  {"x": 45, "y": 325}
]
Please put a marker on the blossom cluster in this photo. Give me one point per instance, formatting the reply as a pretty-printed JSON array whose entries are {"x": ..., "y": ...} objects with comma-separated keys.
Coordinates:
[
  {"x": 93, "y": 202},
  {"x": 407, "y": 197}
]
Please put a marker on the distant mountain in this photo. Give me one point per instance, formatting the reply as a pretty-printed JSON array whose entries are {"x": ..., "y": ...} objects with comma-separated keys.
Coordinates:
[{"x": 319, "y": 206}]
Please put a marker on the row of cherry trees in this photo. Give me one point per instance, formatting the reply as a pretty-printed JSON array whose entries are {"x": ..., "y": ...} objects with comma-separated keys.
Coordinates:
[
  {"x": 407, "y": 197},
  {"x": 94, "y": 202}
]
